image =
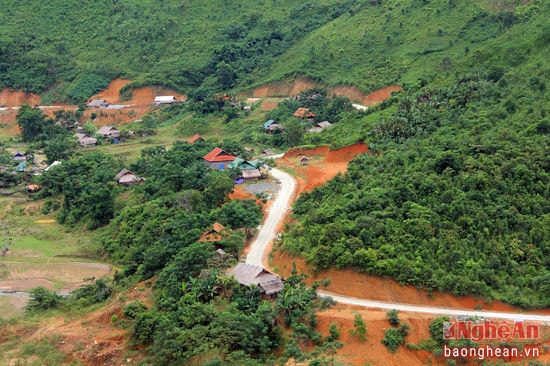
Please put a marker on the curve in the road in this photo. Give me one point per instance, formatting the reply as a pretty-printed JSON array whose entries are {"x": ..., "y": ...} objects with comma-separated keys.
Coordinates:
[{"x": 277, "y": 212}]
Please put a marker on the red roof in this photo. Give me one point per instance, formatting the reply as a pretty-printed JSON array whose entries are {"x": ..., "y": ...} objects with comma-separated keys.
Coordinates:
[
  {"x": 218, "y": 155},
  {"x": 195, "y": 138},
  {"x": 303, "y": 113},
  {"x": 213, "y": 235}
]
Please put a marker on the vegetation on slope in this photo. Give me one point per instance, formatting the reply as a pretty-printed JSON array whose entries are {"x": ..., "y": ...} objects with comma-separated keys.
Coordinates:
[
  {"x": 73, "y": 50},
  {"x": 458, "y": 201}
]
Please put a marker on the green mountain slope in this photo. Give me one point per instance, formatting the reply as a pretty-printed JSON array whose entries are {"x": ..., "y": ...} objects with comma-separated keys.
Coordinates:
[
  {"x": 76, "y": 48},
  {"x": 459, "y": 198}
]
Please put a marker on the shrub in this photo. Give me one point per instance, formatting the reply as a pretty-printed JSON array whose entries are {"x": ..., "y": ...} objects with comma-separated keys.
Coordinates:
[
  {"x": 360, "y": 330},
  {"x": 133, "y": 309},
  {"x": 42, "y": 299},
  {"x": 393, "y": 317}
]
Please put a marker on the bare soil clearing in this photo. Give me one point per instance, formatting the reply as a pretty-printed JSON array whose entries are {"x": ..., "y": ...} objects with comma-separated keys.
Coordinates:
[
  {"x": 23, "y": 275},
  {"x": 292, "y": 88},
  {"x": 15, "y": 98},
  {"x": 140, "y": 96},
  {"x": 92, "y": 339}
]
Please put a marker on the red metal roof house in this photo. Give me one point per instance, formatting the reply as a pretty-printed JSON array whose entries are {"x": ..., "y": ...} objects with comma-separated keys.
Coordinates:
[
  {"x": 195, "y": 138},
  {"x": 218, "y": 158}
]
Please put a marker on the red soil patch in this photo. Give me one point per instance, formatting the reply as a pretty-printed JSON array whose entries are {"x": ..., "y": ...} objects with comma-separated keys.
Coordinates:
[
  {"x": 351, "y": 283},
  {"x": 140, "y": 101},
  {"x": 140, "y": 96},
  {"x": 346, "y": 153},
  {"x": 283, "y": 88},
  {"x": 380, "y": 95},
  {"x": 112, "y": 93},
  {"x": 115, "y": 116},
  {"x": 323, "y": 163},
  {"x": 14, "y": 98},
  {"x": 372, "y": 351},
  {"x": 296, "y": 152},
  {"x": 268, "y": 105},
  {"x": 352, "y": 92},
  {"x": 292, "y": 88},
  {"x": 94, "y": 339},
  {"x": 239, "y": 193}
]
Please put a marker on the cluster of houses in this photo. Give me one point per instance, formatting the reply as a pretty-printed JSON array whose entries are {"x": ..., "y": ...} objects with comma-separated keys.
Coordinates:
[
  {"x": 107, "y": 132},
  {"x": 23, "y": 164},
  {"x": 272, "y": 126},
  {"x": 221, "y": 159}
]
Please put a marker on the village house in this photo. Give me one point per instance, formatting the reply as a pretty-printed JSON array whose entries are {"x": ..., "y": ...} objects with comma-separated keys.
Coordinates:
[
  {"x": 318, "y": 127},
  {"x": 218, "y": 158},
  {"x": 248, "y": 169},
  {"x": 98, "y": 103},
  {"x": 214, "y": 235},
  {"x": 248, "y": 274},
  {"x": 195, "y": 138},
  {"x": 304, "y": 113},
  {"x": 84, "y": 140},
  {"x": 271, "y": 126},
  {"x": 108, "y": 131},
  {"x": 127, "y": 178},
  {"x": 19, "y": 156},
  {"x": 268, "y": 152}
]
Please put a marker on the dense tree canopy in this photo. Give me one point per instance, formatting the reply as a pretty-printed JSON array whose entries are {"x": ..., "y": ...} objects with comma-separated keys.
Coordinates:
[{"x": 456, "y": 202}]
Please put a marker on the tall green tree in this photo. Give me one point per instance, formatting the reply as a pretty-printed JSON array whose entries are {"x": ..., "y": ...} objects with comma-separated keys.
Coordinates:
[{"x": 31, "y": 121}]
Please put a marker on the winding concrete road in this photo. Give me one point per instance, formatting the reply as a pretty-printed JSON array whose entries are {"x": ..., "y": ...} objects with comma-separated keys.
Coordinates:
[{"x": 276, "y": 214}]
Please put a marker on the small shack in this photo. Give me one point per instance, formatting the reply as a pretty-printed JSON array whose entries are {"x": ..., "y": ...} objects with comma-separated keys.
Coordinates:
[
  {"x": 268, "y": 152},
  {"x": 85, "y": 140},
  {"x": 251, "y": 174},
  {"x": 19, "y": 156},
  {"x": 304, "y": 113},
  {"x": 214, "y": 235},
  {"x": 195, "y": 138},
  {"x": 318, "y": 127},
  {"x": 248, "y": 274},
  {"x": 127, "y": 178},
  {"x": 271, "y": 126},
  {"x": 108, "y": 131}
]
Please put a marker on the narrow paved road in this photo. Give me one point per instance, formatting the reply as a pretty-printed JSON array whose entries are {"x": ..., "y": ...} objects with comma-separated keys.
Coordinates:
[
  {"x": 277, "y": 212},
  {"x": 275, "y": 215}
]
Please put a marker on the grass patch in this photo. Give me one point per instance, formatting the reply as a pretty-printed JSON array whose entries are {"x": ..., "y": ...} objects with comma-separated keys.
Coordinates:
[{"x": 11, "y": 307}]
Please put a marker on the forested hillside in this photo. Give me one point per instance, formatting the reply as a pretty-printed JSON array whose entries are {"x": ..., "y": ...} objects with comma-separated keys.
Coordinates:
[
  {"x": 67, "y": 50},
  {"x": 454, "y": 197}
]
